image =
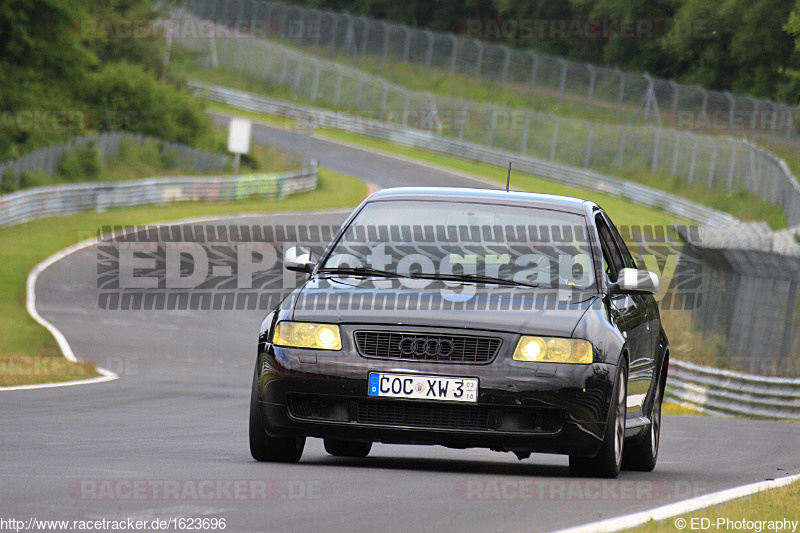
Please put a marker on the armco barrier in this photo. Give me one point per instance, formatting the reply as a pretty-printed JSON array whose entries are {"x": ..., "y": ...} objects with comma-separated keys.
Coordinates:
[
  {"x": 55, "y": 200},
  {"x": 567, "y": 174},
  {"x": 732, "y": 393}
]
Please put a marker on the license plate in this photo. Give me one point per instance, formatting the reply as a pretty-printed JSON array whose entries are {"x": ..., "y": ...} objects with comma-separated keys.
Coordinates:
[{"x": 423, "y": 387}]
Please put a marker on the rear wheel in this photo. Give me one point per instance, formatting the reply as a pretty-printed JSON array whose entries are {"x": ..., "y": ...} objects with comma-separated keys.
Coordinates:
[
  {"x": 608, "y": 461},
  {"x": 266, "y": 448},
  {"x": 347, "y": 448},
  {"x": 643, "y": 455}
]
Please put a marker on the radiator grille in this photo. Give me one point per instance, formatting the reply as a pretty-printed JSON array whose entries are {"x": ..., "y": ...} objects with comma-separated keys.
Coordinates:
[{"x": 427, "y": 347}]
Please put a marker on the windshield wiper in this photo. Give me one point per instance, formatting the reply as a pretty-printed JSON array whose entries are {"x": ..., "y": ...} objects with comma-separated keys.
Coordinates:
[
  {"x": 359, "y": 271},
  {"x": 475, "y": 278}
]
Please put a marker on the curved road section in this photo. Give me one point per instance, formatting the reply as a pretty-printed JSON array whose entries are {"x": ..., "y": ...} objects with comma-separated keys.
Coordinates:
[{"x": 169, "y": 439}]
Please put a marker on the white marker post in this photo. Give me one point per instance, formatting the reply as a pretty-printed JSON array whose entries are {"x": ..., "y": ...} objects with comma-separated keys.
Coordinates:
[{"x": 238, "y": 140}]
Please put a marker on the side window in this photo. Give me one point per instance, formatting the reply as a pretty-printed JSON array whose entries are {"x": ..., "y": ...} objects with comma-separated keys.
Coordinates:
[
  {"x": 627, "y": 257},
  {"x": 611, "y": 254}
]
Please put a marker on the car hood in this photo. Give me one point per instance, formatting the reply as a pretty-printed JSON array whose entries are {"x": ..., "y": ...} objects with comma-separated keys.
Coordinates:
[{"x": 435, "y": 303}]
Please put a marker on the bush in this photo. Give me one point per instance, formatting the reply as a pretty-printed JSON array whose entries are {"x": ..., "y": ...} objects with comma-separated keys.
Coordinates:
[
  {"x": 149, "y": 107},
  {"x": 8, "y": 181},
  {"x": 81, "y": 164}
]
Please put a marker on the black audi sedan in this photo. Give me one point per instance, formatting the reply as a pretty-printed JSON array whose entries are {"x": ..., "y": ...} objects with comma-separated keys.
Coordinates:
[{"x": 465, "y": 318}]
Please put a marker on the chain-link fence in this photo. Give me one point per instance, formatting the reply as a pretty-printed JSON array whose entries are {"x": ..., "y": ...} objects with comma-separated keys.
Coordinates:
[
  {"x": 615, "y": 95},
  {"x": 107, "y": 144},
  {"x": 747, "y": 285},
  {"x": 712, "y": 162}
]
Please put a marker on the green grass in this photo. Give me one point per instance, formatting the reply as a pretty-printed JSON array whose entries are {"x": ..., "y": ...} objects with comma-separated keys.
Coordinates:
[
  {"x": 774, "y": 504},
  {"x": 28, "y": 354}
]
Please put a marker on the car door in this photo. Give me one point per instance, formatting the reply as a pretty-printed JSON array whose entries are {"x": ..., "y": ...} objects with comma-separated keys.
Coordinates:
[{"x": 629, "y": 313}]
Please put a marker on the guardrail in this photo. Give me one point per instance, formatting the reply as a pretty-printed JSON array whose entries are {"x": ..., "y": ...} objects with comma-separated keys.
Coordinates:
[
  {"x": 55, "y": 200},
  {"x": 567, "y": 174},
  {"x": 724, "y": 392}
]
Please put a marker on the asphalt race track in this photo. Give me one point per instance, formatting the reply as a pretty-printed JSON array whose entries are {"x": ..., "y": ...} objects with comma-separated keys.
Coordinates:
[{"x": 179, "y": 412}]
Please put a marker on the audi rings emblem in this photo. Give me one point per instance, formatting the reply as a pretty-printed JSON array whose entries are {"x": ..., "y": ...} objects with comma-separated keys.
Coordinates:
[{"x": 421, "y": 346}]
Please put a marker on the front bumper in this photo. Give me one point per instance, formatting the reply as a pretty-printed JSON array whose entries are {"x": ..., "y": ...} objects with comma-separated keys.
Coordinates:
[{"x": 527, "y": 407}]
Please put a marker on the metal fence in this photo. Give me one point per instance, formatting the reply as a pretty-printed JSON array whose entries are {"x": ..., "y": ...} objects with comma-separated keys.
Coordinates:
[
  {"x": 720, "y": 163},
  {"x": 107, "y": 145},
  {"x": 746, "y": 283},
  {"x": 609, "y": 93},
  {"x": 574, "y": 176},
  {"x": 56, "y": 200}
]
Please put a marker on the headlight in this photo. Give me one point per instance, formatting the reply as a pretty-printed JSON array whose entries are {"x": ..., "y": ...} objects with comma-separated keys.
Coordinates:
[
  {"x": 307, "y": 335},
  {"x": 553, "y": 350}
]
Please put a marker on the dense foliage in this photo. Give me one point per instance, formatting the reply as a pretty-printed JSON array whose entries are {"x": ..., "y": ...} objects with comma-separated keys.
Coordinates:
[{"x": 52, "y": 65}]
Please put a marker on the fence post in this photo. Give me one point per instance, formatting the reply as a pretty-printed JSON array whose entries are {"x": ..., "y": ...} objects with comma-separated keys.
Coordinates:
[
  {"x": 365, "y": 38},
  {"x": 675, "y": 91},
  {"x": 554, "y": 140},
  {"x": 385, "y": 51},
  {"x": 384, "y": 96},
  {"x": 621, "y": 151},
  {"x": 712, "y": 165},
  {"x": 774, "y": 107},
  {"x": 588, "y": 155},
  {"x": 357, "y": 101},
  {"x": 429, "y": 51},
  {"x": 562, "y": 81},
  {"x": 694, "y": 159},
  {"x": 506, "y": 62},
  {"x": 491, "y": 126},
  {"x": 592, "y": 77},
  {"x": 479, "y": 59},
  {"x": 753, "y": 116},
  {"x": 732, "y": 104},
  {"x": 406, "y": 105},
  {"x": 534, "y": 71},
  {"x": 338, "y": 91},
  {"x": 526, "y": 127},
  {"x": 620, "y": 90},
  {"x": 298, "y": 74},
  {"x": 407, "y": 45},
  {"x": 656, "y": 138},
  {"x": 734, "y": 146},
  {"x": 315, "y": 83},
  {"x": 704, "y": 109},
  {"x": 454, "y": 43},
  {"x": 461, "y": 125}
]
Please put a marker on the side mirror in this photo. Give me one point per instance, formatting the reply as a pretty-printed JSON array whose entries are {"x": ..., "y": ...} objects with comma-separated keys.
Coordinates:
[
  {"x": 298, "y": 258},
  {"x": 631, "y": 280}
]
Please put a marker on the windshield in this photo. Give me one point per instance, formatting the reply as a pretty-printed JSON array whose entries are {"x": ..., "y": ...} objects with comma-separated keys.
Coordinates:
[{"x": 465, "y": 241}]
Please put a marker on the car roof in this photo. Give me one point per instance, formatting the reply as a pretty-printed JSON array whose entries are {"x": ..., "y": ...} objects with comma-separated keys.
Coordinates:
[{"x": 490, "y": 196}]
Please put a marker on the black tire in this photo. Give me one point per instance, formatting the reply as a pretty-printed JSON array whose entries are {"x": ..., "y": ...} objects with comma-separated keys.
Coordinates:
[
  {"x": 266, "y": 448},
  {"x": 608, "y": 461},
  {"x": 347, "y": 448},
  {"x": 642, "y": 456}
]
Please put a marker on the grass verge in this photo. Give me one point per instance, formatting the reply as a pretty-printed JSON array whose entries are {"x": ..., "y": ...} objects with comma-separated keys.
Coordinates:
[
  {"x": 774, "y": 504},
  {"x": 28, "y": 354}
]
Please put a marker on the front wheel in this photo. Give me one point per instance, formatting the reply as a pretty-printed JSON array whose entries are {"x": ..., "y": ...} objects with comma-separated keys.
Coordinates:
[
  {"x": 642, "y": 456},
  {"x": 608, "y": 461},
  {"x": 266, "y": 448}
]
